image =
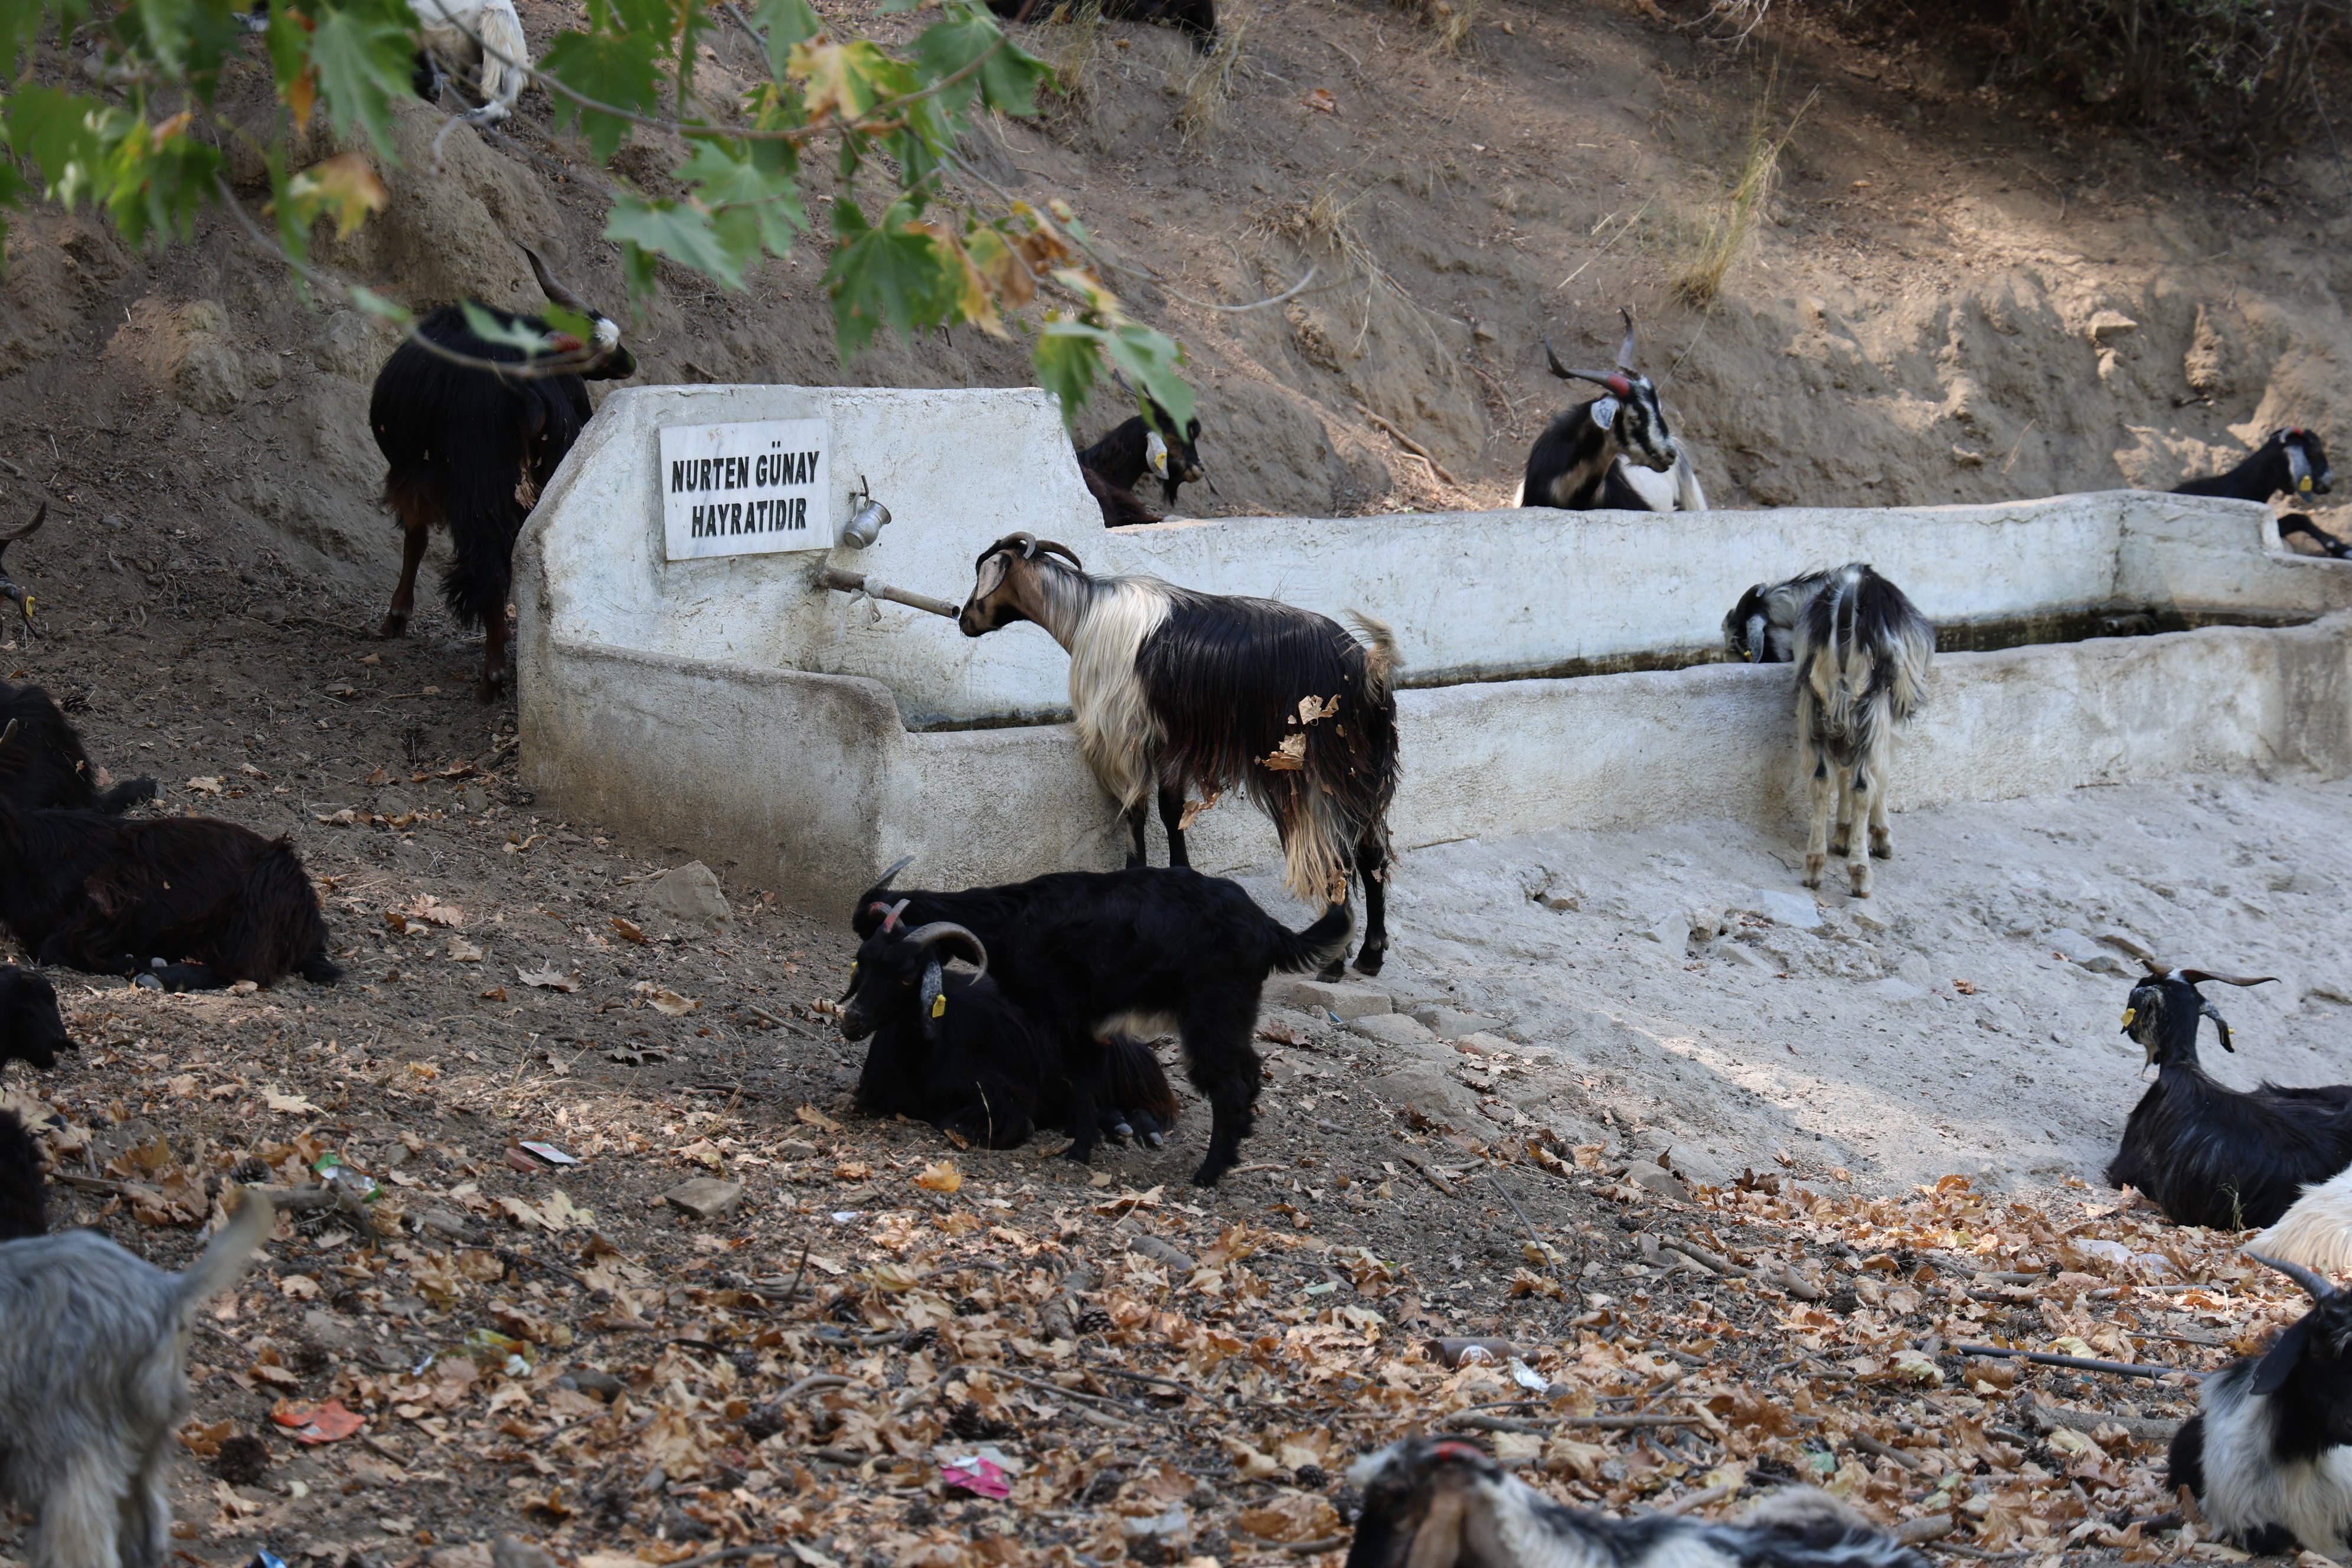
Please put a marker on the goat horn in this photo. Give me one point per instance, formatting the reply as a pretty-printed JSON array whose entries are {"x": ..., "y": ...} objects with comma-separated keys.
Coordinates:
[
  {"x": 1561, "y": 371},
  {"x": 9, "y": 733},
  {"x": 2309, "y": 1279},
  {"x": 2199, "y": 976},
  {"x": 882, "y": 884},
  {"x": 890, "y": 920},
  {"x": 31, "y": 528},
  {"x": 948, "y": 931},
  {"x": 556, "y": 292},
  {"x": 1625, "y": 350},
  {"x": 1046, "y": 546},
  {"x": 1026, "y": 540}
]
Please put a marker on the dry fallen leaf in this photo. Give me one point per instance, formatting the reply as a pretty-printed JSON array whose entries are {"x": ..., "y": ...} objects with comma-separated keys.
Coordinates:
[
  {"x": 1193, "y": 809},
  {"x": 1311, "y": 709},
  {"x": 629, "y": 930},
  {"x": 547, "y": 979},
  {"x": 1289, "y": 757},
  {"x": 663, "y": 1000},
  {"x": 943, "y": 1177},
  {"x": 464, "y": 951},
  {"x": 817, "y": 1118},
  {"x": 291, "y": 1105},
  {"x": 205, "y": 787},
  {"x": 1321, "y": 99}
]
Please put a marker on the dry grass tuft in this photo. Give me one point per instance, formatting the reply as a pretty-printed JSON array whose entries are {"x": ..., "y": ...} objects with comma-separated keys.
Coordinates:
[
  {"x": 1214, "y": 79},
  {"x": 1075, "y": 58},
  {"x": 1718, "y": 244},
  {"x": 1449, "y": 21}
]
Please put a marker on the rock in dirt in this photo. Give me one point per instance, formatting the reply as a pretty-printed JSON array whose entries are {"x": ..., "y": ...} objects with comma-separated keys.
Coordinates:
[
  {"x": 1447, "y": 1024},
  {"x": 1344, "y": 1002},
  {"x": 705, "y": 1197},
  {"x": 690, "y": 893},
  {"x": 1159, "y": 1251},
  {"x": 509, "y": 1552},
  {"x": 1659, "y": 1180},
  {"x": 1393, "y": 1029},
  {"x": 1797, "y": 910},
  {"x": 2078, "y": 948}
]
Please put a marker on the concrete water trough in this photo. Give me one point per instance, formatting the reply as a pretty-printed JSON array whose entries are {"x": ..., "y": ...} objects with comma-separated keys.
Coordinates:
[{"x": 686, "y": 676}]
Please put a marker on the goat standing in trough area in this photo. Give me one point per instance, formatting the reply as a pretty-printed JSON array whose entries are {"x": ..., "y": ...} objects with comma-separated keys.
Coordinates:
[
  {"x": 1762, "y": 627},
  {"x": 2207, "y": 1154},
  {"x": 10, "y": 589},
  {"x": 1087, "y": 954},
  {"x": 1595, "y": 455},
  {"x": 463, "y": 439},
  {"x": 46, "y": 768},
  {"x": 1176, "y": 690},
  {"x": 1114, "y": 466},
  {"x": 1442, "y": 1502},
  {"x": 32, "y": 1030},
  {"x": 2268, "y": 1455},
  {"x": 2291, "y": 462},
  {"x": 1862, "y": 653}
]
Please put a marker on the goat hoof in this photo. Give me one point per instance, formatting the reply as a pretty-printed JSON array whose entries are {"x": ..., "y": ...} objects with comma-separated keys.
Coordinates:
[
  {"x": 1330, "y": 973},
  {"x": 491, "y": 688},
  {"x": 1369, "y": 963},
  {"x": 395, "y": 625}
]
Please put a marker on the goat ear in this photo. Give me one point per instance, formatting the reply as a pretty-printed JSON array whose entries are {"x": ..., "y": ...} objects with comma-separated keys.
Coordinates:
[
  {"x": 2284, "y": 1356},
  {"x": 993, "y": 570},
  {"x": 2222, "y": 1024},
  {"x": 933, "y": 994}
]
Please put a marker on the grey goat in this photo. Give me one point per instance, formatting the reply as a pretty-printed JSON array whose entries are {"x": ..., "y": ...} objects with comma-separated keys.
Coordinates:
[{"x": 92, "y": 1381}]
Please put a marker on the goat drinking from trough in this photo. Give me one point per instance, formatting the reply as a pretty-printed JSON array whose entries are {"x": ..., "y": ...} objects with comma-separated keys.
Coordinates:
[
  {"x": 2291, "y": 462},
  {"x": 461, "y": 439},
  {"x": 93, "y": 1382},
  {"x": 24, "y": 1192},
  {"x": 1592, "y": 457},
  {"x": 10, "y": 589},
  {"x": 1762, "y": 627},
  {"x": 182, "y": 902},
  {"x": 955, "y": 1051},
  {"x": 46, "y": 768},
  {"x": 32, "y": 1030},
  {"x": 1440, "y": 1502},
  {"x": 1862, "y": 653},
  {"x": 1176, "y": 690},
  {"x": 1087, "y": 954},
  {"x": 1114, "y": 466},
  {"x": 2268, "y": 1455},
  {"x": 2207, "y": 1154},
  {"x": 485, "y": 39}
]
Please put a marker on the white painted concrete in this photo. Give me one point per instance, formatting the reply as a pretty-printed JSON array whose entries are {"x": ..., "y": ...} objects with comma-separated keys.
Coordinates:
[{"x": 728, "y": 707}]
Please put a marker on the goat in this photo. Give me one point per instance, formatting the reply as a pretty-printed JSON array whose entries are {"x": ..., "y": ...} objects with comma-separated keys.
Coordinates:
[
  {"x": 1762, "y": 627},
  {"x": 24, "y": 1192},
  {"x": 461, "y": 440},
  {"x": 1442, "y": 1502},
  {"x": 32, "y": 1030},
  {"x": 2317, "y": 1229},
  {"x": 2207, "y": 1154},
  {"x": 46, "y": 769},
  {"x": 1585, "y": 460},
  {"x": 1862, "y": 653},
  {"x": 181, "y": 902},
  {"x": 1084, "y": 953},
  {"x": 93, "y": 1379},
  {"x": 2293, "y": 461},
  {"x": 10, "y": 589},
  {"x": 1115, "y": 465},
  {"x": 1175, "y": 689},
  {"x": 2268, "y": 1455},
  {"x": 483, "y": 35},
  {"x": 1197, "y": 19},
  {"x": 955, "y": 1052}
]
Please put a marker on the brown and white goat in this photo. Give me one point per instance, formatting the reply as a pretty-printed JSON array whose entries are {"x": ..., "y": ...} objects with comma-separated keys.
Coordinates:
[
  {"x": 1862, "y": 653},
  {"x": 1176, "y": 691}
]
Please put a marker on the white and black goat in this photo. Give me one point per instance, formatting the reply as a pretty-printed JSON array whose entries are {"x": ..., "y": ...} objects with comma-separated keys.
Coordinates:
[
  {"x": 1608, "y": 454},
  {"x": 2204, "y": 1152},
  {"x": 1442, "y": 1502},
  {"x": 10, "y": 589},
  {"x": 1114, "y": 466},
  {"x": 2268, "y": 1455},
  {"x": 484, "y": 38},
  {"x": 1762, "y": 627},
  {"x": 1862, "y": 653},
  {"x": 93, "y": 1382},
  {"x": 461, "y": 439},
  {"x": 1176, "y": 691},
  {"x": 2317, "y": 1229},
  {"x": 2292, "y": 463}
]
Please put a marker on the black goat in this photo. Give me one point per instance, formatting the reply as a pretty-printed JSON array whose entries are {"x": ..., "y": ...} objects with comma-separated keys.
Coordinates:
[
  {"x": 2268, "y": 1455},
  {"x": 1762, "y": 627},
  {"x": 1862, "y": 653},
  {"x": 1584, "y": 460},
  {"x": 46, "y": 768},
  {"x": 2207, "y": 1154},
  {"x": 955, "y": 1052},
  {"x": 10, "y": 589},
  {"x": 24, "y": 1192},
  {"x": 2292, "y": 461},
  {"x": 1197, "y": 19},
  {"x": 1088, "y": 954},
  {"x": 1442, "y": 1502},
  {"x": 181, "y": 902},
  {"x": 462, "y": 440},
  {"x": 1176, "y": 690},
  {"x": 1114, "y": 466},
  {"x": 32, "y": 1030}
]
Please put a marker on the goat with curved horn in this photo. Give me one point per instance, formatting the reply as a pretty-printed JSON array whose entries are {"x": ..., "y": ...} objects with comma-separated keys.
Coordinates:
[
  {"x": 967, "y": 945},
  {"x": 1625, "y": 350},
  {"x": 1600, "y": 456}
]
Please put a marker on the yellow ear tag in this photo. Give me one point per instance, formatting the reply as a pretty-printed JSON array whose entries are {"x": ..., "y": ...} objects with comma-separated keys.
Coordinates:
[
  {"x": 939, "y": 1007},
  {"x": 2129, "y": 1014},
  {"x": 2305, "y": 486}
]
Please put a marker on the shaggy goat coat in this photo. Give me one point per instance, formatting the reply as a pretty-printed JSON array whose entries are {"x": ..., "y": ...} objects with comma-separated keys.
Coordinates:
[
  {"x": 1862, "y": 652},
  {"x": 2317, "y": 1229},
  {"x": 43, "y": 766},
  {"x": 93, "y": 1382},
  {"x": 24, "y": 1192},
  {"x": 1762, "y": 627},
  {"x": 32, "y": 1030}
]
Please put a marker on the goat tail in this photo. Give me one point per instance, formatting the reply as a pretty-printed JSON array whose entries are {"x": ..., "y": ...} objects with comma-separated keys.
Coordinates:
[
  {"x": 231, "y": 1250},
  {"x": 1380, "y": 661},
  {"x": 2316, "y": 1231},
  {"x": 505, "y": 53},
  {"x": 125, "y": 795},
  {"x": 1134, "y": 1080},
  {"x": 1320, "y": 945}
]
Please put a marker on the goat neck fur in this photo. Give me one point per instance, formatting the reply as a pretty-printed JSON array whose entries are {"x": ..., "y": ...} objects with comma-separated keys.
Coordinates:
[
  {"x": 32, "y": 1030},
  {"x": 2292, "y": 462},
  {"x": 2268, "y": 1455},
  {"x": 44, "y": 765},
  {"x": 1145, "y": 446},
  {"x": 1440, "y": 1502},
  {"x": 1762, "y": 627},
  {"x": 1088, "y": 954},
  {"x": 23, "y": 1199},
  {"x": 2204, "y": 1152},
  {"x": 1862, "y": 653},
  {"x": 487, "y": 36},
  {"x": 1182, "y": 692},
  {"x": 1614, "y": 452},
  {"x": 92, "y": 1383}
]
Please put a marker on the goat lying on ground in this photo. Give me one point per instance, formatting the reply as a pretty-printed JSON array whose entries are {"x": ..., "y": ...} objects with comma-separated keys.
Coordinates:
[
  {"x": 1114, "y": 466},
  {"x": 46, "y": 768},
  {"x": 32, "y": 1030},
  {"x": 1586, "y": 459},
  {"x": 1178, "y": 690},
  {"x": 1084, "y": 953},
  {"x": 1195, "y": 19},
  {"x": 1440, "y": 1502},
  {"x": 9, "y": 588},
  {"x": 24, "y": 1193},
  {"x": 485, "y": 39},
  {"x": 2268, "y": 1455},
  {"x": 2317, "y": 1229},
  {"x": 2291, "y": 462},
  {"x": 186, "y": 902},
  {"x": 93, "y": 1382},
  {"x": 1862, "y": 653},
  {"x": 955, "y": 1052},
  {"x": 460, "y": 441},
  {"x": 1762, "y": 627},
  {"x": 2207, "y": 1154}
]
